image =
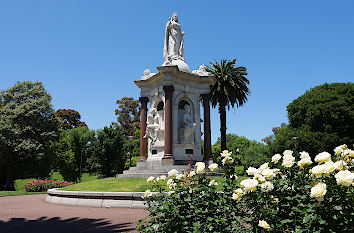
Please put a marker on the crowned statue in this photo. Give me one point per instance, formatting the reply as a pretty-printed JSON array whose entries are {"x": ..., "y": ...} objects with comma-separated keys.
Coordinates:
[{"x": 174, "y": 44}]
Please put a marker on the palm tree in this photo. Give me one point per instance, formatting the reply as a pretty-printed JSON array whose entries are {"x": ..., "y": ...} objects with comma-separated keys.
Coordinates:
[{"x": 229, "y": 87}]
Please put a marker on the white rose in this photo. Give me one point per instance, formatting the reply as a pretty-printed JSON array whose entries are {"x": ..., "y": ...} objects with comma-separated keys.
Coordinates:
[
  {"x": 348, "y": 152},
  {"x": 304, "y": 161},
  {"x": 226, "y": 153},
  {"x": 288, "y": 163},
  {"x": 276, "y": 170},
  {"x": 323, "y": 157},
  {"x": 172, "y": 186},
  {"x": 251, "y": 171},
  {"x": 288, "y": 153},
  {"x": 318, "y": 170},
  {"x": 150, "y": 179},
  {"x": 213, "y": 167},
  {"x": 263, "y": 166},
  {"x": 180, "y": 176},
  {"x": 276, "y": 158},
  {"x": 163, "y": 177},
  {"x": 197, "y": 164},
  {"x": 191, "y": 174},
  {"x": 260, "y": 178},
  {"x": 338, "y": 150},
  {"x": 239, "y": 191},
  {"x": 345, "y": 178},
  {"x": 268, "y": 173},
  {"x": 227, "y": 160},
  {"x": 339, "y": 165},
  {"x": 267, "y": 186},
  {"x": 169, "y": 182},
  {"x": 328, "y": 168},
  {"x": 237, "y": 194},
  {"x": 212, "y": 183},
  {"x": 201, "y": 168},
  {"x": 173, "y": 173},
  {"x": 249, "y": 184},
  {"x": 263, "y": 224},
  {"x": 351, "y": 153},
  {"x": 318, "y": 191},
  {"x": 147, "y": 193},
  {"x": 305, "y": 155}
]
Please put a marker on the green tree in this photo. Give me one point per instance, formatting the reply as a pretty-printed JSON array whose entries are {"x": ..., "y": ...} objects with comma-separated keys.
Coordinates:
[
  {"x": 319, "y": 120},
  {"x": 73, "y": 152},
  {"x": 111, "y": 151},
  {"x": 71, "y": 118},
  {"x": 252, "y": 153},
  {"x": 128, "y": 115},
  {"x": 27, "y": 125},
  {"x": 229, "y": 88}
]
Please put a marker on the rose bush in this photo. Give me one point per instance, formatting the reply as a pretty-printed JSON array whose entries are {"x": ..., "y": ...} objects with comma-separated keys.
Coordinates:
[
  {"x": 289, "y": 194},
  {"x": 44, "y": 185}
]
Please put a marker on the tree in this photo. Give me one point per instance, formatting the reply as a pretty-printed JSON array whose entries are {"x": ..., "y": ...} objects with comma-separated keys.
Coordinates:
[
  {"x": 252, "y": 153},
  {"x": 71, "y": 118},
  {"x": 73, "y": 152},
  {"x": 275, "y": 130},
  {"x": 319, "y": 120},
  {"x": 128, "y": 115},
  {"x": 27, "y": 125},
  {"x": 111, "y": 151},
  {"x": 229, "y": 88}
]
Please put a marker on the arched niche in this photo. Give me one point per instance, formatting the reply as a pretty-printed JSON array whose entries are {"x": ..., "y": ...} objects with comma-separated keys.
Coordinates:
[
  {"x": 160, "y": 106},
  {"x": 181, "y": 117}
]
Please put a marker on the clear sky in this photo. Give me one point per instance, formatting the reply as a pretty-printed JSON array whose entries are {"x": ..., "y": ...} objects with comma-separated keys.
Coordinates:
[{"x": 87, "y": 53}]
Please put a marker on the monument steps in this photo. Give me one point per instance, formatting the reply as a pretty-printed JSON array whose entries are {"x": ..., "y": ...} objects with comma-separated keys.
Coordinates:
[{"x": 151, "y": 168}]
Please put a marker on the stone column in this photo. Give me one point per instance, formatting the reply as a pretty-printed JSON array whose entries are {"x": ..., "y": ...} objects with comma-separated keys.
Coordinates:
[
  {"x": 207, "y": 131},
  {"x": 143, "y": 137},
  {"x": 168, "y": 122}
]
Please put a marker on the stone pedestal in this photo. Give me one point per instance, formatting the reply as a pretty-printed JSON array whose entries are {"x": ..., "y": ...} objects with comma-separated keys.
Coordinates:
[{"x": 174, "y": 131}]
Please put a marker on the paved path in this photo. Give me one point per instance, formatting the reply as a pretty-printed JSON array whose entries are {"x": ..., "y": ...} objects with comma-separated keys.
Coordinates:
[{"x": 32, "y": 214}]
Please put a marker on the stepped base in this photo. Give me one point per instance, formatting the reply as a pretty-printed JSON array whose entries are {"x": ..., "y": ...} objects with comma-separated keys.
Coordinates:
[{"x": 151, "y": 168}]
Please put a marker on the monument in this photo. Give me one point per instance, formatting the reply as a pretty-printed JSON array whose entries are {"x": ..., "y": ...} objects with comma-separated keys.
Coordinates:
[{"x": 170, "y": 131}]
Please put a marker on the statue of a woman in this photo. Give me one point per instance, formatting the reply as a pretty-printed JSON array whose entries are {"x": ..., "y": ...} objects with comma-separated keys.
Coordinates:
[
  {"x": 174, "y": 45},
  {"x": 189, "y": 125}
]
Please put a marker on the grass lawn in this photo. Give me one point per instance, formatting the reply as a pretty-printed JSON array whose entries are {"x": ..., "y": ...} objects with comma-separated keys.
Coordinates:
[
  {"x": 55, "y": 176},
  {"x": 119, "y": 185}
]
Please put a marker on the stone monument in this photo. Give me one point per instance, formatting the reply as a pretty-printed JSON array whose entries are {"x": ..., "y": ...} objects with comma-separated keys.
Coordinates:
[{"x": 170, "y": 131}]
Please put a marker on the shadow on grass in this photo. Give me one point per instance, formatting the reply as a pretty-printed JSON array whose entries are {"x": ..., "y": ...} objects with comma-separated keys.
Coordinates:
[{"x": 57, "y": 225}]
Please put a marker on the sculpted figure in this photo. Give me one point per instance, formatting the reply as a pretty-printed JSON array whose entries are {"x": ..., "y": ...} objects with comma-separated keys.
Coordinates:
[
  {"x": 174, "y": 45},
  {"x": 152, "y": 125},
  {"x": 202, "y": 71},
  {"x": 188, "y": 125}
]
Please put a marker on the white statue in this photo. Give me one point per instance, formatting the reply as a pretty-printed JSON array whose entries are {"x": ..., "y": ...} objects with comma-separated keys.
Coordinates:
[
  {"x": 202, "y": 71},
  {"x": 189, "y": 125},
  {"x": 147, "y": 74},
  {"x": 174, "y": 46},
  {"x": 152, "y": 125}
]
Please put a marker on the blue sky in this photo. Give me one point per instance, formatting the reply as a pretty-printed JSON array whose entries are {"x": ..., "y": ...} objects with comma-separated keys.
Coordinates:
[{"x": 87, "y": 53}]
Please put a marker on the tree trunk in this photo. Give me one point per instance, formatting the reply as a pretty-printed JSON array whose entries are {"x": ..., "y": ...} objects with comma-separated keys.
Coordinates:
[
  {"x": 222, "y": 112},
  {"x": 9, "y": 173}
]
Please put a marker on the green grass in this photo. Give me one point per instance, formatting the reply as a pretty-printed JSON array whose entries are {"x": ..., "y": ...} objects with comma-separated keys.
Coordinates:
[
  {"x": 111, "y": 185},
  {"x": 55, "y": 176},
  {"x": 121, "y": 185}
]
